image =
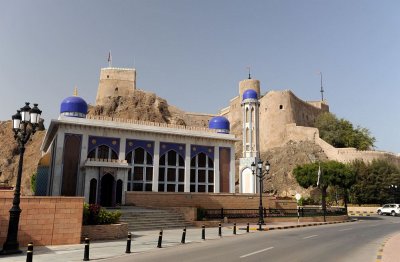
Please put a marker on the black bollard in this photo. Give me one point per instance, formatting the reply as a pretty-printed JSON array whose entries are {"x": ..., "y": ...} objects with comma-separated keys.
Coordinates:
[
  {"x": 86, "y": 254},
  {"x": 128, "y": 243},
  {"x": 234, "y": 228},
  {"x": 29, "y": 252},
  {"x": 248, "y": 228},
  {"x": 183, "y": 236},
  {"x": 203, "y": 232},
  {"x": 159, "y": 245},
  {"x": 219, "y": 230}
]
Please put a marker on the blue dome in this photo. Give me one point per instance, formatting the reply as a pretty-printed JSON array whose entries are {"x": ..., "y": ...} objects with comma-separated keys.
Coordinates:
[
  {"x": 74, "y": 106},
  {"x": 220, "y": 123},
  {"x": 250, "y": 94}
]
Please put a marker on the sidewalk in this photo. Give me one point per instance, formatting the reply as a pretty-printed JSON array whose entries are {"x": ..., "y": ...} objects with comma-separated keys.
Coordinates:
[
  {"x": 142, "y": 241},
  {"x": 390, "y": 250}
]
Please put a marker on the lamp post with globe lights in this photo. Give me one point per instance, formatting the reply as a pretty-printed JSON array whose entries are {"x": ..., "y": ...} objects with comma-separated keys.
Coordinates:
[
  {"x": 394, "y": 192},
  {"x": 261, "y": 177},
  {"x": 25, "y": 123}
]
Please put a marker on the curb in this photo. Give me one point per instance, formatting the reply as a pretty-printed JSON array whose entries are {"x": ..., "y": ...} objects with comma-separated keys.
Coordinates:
[
  {"x": 303, "y": 225},
  {"x": 379, "y": 254}
]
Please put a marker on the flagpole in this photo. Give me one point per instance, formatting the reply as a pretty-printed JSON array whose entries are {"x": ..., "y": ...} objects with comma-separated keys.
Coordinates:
[{"x": 109, "y": 59}]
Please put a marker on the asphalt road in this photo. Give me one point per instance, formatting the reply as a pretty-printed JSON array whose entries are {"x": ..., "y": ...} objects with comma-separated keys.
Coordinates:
[{"x": 356, "y": 241}]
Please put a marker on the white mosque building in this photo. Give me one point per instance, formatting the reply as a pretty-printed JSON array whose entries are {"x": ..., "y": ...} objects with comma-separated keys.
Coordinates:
[{"x": 101, "y": 158}]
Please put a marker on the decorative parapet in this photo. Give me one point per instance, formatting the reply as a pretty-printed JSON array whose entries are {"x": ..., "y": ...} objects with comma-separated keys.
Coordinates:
[
  {"x": 118, "y": 68},
  {"x": 148, "y": 123},
  {"x": 100, "y": 162}
]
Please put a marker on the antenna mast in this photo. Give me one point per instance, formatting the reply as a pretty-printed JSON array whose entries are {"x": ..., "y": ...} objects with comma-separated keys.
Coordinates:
[{"x": 322, "y": 89}]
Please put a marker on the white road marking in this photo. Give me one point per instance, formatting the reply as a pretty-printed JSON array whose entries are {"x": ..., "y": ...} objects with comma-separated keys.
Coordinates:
[
  {"x": 346, "y": 229},
  {"x": 256, "y": 252},
  {"x": 310, "y": 236}
]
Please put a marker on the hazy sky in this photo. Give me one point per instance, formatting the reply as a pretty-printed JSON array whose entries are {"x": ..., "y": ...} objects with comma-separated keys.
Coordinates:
[{"x": 194, "y": 53}]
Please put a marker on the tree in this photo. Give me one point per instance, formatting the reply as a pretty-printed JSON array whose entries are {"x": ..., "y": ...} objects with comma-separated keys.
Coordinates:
[
  {"x": 373, "y": 181},
  {"x": 341, "y": 133},
  {"x": 333, "y": 173}
]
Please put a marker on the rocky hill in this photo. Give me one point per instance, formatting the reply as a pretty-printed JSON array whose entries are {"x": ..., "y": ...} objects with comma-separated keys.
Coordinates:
[
  {"x": 148, "y": 107},
  {"x": 9, "y": 157}
]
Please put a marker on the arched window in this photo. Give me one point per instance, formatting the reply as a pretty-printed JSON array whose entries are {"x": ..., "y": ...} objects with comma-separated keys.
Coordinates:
[
  {"x": 171, "y": 176},
  {"x": 103, "y": 152},
  {"x": 201, "y": 174},
  {"x": 140, "y": 176}
]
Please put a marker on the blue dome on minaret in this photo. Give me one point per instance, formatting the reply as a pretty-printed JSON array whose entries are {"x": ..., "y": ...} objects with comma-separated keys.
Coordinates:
[
  {"x": 250, "y": 94},
  {"x": 220, "y": 123},
  {"x": 74, "y": 106}
]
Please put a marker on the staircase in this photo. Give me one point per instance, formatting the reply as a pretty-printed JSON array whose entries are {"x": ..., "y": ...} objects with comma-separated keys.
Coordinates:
[{"x": 139, "y": 218}]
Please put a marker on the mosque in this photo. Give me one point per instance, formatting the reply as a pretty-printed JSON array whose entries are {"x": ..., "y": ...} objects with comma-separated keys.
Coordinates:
[{"x": 100, "y": 158}]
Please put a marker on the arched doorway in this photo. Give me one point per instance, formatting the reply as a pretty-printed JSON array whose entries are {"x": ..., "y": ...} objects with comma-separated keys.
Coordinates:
[
  {"x": 107, "y": 189},
  {"x": 119, "y": 192},
  {"x": 247, "y": 181},
  {"x": 93, "y": 191}
]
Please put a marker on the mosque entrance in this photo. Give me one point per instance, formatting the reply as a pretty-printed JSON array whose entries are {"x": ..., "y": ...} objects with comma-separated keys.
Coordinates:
[{"x": 107, "y": 190}]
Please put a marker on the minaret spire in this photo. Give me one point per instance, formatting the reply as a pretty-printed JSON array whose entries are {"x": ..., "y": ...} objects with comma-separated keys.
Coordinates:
[{"x": 248, "y": 68}]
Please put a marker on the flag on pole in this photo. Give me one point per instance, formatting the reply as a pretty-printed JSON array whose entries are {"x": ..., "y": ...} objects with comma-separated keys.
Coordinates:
[
  {"x": 319, "y": 174},
  {"x": 109, "y": 58}
]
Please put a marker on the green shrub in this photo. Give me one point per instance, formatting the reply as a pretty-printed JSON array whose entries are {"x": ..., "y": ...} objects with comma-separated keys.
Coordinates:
[
  {"x": 94, "y": 214},
  {"x": 33, "y": 182}
]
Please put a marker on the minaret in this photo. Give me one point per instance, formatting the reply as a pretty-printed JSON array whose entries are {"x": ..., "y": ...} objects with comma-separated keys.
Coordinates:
[
  {"x": 250, "y": 106},
  {"x": 249, "y": 90}
]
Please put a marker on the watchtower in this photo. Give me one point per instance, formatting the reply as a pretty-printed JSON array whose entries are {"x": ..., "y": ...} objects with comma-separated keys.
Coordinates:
[{"x": 115, "y": 82}]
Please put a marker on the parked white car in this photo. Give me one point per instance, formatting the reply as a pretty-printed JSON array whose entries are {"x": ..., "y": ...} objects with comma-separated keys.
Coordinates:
[{"x": 389, "y": 209}]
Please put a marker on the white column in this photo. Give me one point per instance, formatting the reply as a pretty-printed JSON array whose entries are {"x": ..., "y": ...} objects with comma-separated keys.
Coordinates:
[
  {"x": 244, "y": 131},
  {"x": 156, "y": 165},
  {"x": 123, "y": 173},
  {"x": 82, "y": 172},
  {"x": 216, "y": 170},
  {"x": 122, "y": 148},
  {"x": 187, "y": 167},
  {"x": 257, "y": 129}
]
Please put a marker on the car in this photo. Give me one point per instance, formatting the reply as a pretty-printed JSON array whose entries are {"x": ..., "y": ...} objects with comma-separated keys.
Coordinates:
[{"x": 389, "y": 209}]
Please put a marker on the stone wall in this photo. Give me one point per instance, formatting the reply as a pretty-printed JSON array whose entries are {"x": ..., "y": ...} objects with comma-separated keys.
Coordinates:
[
  {"x": 344, "y": 155},
  {"x": 44, "y": 220},
  {"x": 280, "y": 108},
  {"x": 204, "y": 200}
]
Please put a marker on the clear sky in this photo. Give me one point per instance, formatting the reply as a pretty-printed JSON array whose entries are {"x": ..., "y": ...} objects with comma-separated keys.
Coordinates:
[{"x": 194, "y": 53}]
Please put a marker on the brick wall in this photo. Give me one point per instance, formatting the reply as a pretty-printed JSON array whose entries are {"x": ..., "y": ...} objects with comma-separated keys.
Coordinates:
[
  {"x": 44, "y": 220},
  {"x": 105, "y": 232},
  {"x": 203, "y": 200}
]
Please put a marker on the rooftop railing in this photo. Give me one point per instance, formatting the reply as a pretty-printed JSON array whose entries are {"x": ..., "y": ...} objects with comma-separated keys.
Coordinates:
[{"x": 148, "y": 123}]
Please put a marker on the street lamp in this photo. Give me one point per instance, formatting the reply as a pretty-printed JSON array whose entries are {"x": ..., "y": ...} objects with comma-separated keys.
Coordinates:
[
  {"x": 25, "y": 123},
  {"x": 393, "y": 191},
  {"x": 261, "y": 177}
]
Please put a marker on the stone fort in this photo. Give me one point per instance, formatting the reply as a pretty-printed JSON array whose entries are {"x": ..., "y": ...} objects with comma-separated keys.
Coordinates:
[{"x": 283, "y": 117}]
